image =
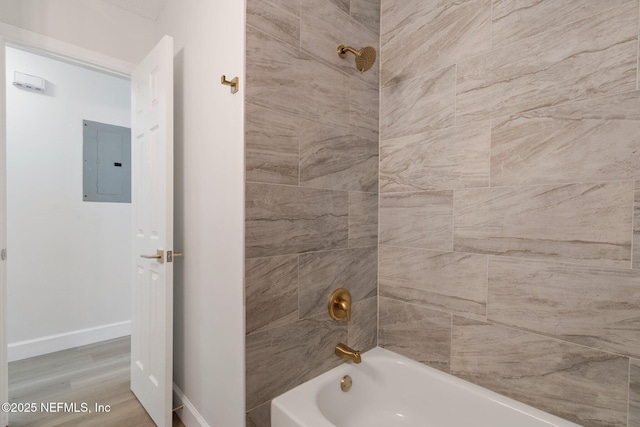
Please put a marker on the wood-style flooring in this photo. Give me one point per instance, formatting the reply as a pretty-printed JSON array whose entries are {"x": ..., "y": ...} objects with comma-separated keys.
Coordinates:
[{"x": 96, "y": 373}]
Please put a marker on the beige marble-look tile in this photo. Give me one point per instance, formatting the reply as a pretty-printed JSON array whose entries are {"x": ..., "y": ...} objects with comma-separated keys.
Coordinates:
[
  {"x": 586, "y": 386},
  {"x": 415, "y": 332},
  {"x": 277, "y": 22},
  {"x": 284, "y": 79},
  {"x": 636, "y": 226},
  {"x": 446, "y": 281},
  {"x": 363, "y": 219},
  {"x": 430, "y": 41},
  {"x": 271, "y": 143},
  {"x": 323, "y": 27},
  {"x": 592, "y": 140},
  {"x": 363, "y": 328},
  {"x": 260, "y": 416},
  {"x": 367, "y": 12},
  {"x": 321, "y": 273},
  {"x": 272, "y": 73},
  {"x": 363, "y": 109},
  {"x": 417, "y": 220},
  {"x": 443, "y": 159},
  {"x": 395, "y": 13},
  {"x": 271, "y": 292},
  {"x": 418, "y": 105},
  {"x": 587, "y": 223},
  {"x": 592, "y": 306},
  {"x": 588, "y": 58},
  {"x": 291, "y": 6},
  {"x": 282, "y": 358},
  {"x": 516, "y": 20},
  {"x": 331, "y": 158},
  {"x": 322, "y": 93},
  {"x": 634, "y": 393},
  {"x": 288, "y": 220},
  {"x": 341, "y": 4}
]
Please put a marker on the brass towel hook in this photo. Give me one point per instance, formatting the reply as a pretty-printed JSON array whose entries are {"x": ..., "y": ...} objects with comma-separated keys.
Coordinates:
[{"x": 234, "y": 83}]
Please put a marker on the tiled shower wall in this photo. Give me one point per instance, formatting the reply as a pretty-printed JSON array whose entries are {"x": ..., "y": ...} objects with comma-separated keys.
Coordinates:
[
  {"x": 509, "y": 163},
  {"x": 311, "y": 193}
]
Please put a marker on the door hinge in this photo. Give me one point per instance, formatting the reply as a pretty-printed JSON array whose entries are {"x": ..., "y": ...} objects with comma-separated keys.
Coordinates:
[{"x": 3, "y": 254}]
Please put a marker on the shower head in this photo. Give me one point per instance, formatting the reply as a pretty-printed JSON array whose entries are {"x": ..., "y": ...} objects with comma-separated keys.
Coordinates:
[{"x": 365, "y": 57}]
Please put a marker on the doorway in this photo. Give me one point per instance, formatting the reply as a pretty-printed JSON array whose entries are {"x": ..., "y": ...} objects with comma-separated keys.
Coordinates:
[{"x": 68, "y": 274}]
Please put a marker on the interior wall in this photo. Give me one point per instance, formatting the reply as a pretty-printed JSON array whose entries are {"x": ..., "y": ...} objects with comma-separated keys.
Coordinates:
[
  {"x": 311, "y": 193},
  {"x": 68, "y": 269},
  {"x": 510, "y": 136},
  {"x": 209, "y": 209},
  {"x": 92, "y": 24}
]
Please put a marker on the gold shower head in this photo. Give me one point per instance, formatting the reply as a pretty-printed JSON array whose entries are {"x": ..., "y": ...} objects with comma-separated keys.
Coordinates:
[{"x": 365, "y": 57}]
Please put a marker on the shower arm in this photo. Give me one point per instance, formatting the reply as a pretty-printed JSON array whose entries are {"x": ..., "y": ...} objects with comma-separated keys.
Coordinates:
[{"x": 342, "y": 51}]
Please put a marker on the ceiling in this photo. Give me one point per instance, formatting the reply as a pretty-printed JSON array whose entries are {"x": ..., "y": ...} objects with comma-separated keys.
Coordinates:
[{"x": 147, "y": 8}]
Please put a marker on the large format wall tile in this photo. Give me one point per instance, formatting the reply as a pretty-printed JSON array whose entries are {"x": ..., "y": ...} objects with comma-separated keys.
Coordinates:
[
  {"x": 322, "y": 92},
  {"x": 287, "y": 220},
  {"x": 272, "y": 76},
  {"x": 588, "y": 58},
  {"x": 395, "y": 13},
  {"x": 285, "y": 79},
  {"x": 592, "y": 140},
  {"x": 634, "y": 393},
  {"x": 595, "y": 307},
  {"x": 282, "y": 358},
  {"x": 428, "y": 42},
  {"x": 585, "y": 386},
  {"x": 271, "y": 292},
  {"x": 417, "y": 220},
  {"x": 447, "y": 281},
  {"x": 416, "y": 332},
  {"x": 367, "y": 12},
  {"x": 455, "y": 157},
  {"x": 273, "y": 20},
  {"x": 418, "y": 105},
  {"x": 324, "y": 27},
  {"x": 589, "y": 223},
  {"x": 636, "y": 226},
  {"x": 271, "y": 142},
  {"x": 363, "y": 109},
  {"x": 331, "y": 158},
  {"x": 363, "y": 328},
  {"x": 363, "y": 219},
  {"x": 516, "y": 20},
  {"x": 321, "y": 273}
]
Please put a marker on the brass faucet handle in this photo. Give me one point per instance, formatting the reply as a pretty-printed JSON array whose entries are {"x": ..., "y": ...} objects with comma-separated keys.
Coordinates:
[{"x": 340, "y": 305}]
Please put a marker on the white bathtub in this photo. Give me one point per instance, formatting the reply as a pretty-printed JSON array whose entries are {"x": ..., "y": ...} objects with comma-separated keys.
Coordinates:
[{"x": 391, "y": 390}]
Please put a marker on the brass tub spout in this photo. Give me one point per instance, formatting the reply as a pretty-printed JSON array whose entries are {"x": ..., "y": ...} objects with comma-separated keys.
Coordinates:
[{"x": 348, "y": 353}]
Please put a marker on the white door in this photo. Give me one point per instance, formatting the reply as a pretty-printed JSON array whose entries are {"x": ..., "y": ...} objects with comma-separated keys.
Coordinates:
[
  {"x": 4, "y": 380},
  {"x": 152, "y": 203}
]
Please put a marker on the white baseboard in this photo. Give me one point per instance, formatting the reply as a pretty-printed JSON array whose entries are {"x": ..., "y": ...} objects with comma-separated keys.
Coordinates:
[
  {"x": 39, "y": 346},
  {"x": 189, "y": 414}
]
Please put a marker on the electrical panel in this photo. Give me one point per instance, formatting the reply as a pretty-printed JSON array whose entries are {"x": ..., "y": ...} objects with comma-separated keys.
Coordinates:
[{"x": 106, "y": 156}]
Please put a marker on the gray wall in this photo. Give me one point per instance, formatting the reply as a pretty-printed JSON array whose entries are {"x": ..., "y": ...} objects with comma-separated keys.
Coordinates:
[
  {"x": 311, "y": 192},
  {"x": 509, "y": 160}
]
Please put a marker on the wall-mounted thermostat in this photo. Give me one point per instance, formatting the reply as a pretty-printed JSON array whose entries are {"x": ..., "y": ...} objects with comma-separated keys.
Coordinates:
[{"x": 28, "y": 81}]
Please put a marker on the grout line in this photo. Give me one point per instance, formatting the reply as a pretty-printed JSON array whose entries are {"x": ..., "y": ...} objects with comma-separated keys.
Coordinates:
[
  {"x": 629, "y": 394},
  {"x": 486, "y": 302},
  {"x": 638, "y": 53},
  {"x": 633, "y": 221}
]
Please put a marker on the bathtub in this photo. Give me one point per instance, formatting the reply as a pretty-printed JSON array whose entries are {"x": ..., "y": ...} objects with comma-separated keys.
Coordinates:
[{"x": 390, "y": 390}]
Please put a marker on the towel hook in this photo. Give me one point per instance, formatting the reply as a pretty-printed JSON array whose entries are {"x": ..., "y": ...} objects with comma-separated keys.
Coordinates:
[{"x": 234, "y": 83}]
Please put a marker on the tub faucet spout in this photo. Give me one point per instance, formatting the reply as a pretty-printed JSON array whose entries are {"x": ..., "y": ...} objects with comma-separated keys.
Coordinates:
[{"x": 348, "y": 353}]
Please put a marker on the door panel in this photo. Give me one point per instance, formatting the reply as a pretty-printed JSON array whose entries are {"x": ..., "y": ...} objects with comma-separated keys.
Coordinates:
[{"x": 152, "y": 231}]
